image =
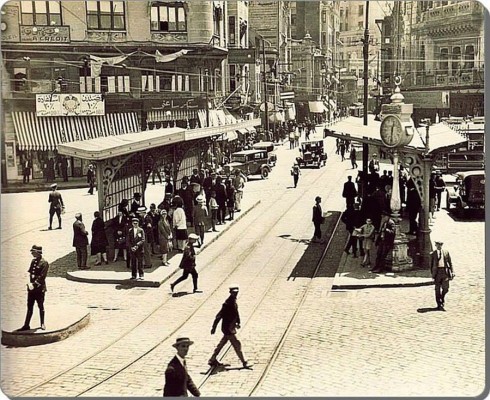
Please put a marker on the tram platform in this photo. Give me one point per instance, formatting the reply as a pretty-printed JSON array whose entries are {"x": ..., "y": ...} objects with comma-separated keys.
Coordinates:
[{"x": 118, "y": 274}]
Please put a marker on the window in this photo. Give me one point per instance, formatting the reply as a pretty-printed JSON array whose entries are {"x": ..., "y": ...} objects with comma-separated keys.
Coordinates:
[
  {"x": 106, "y": 15},
  {"x": 324, "y": 39},
  {"x": 361, "y": 10},
  {"x": 233, "y": 77},
  {"x": 159, "y": 81},
  {"x": 231, "y": 29},
  {"x": 324, "y": 17},
  {"x": 469, "y": 57},
  {"x": 443, "y": 64},
  {"x": 217, "y": 17},
  {"x": 41, "y": 13},
  {"x": 456, "y": 61},
  {"x": 168, "y": 17}
]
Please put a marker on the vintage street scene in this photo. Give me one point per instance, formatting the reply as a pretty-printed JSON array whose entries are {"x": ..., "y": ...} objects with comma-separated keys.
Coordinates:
[{"x": 242, "y": 199}]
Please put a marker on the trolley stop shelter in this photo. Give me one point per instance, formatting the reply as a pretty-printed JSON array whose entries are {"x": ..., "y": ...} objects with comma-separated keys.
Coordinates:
[
  {"x": 442, "y": 139},
  {"x": 125, "y": 162}
]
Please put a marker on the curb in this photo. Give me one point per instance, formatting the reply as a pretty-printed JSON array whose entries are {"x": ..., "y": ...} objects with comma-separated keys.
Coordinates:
[
  {"x": 381, "y": 285},
  {"x": 39, "y": 188}
]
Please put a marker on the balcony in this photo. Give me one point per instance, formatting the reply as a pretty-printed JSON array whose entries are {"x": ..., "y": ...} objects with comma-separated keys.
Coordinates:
[
  {"x": 468, "y": 78},
  {"x": 456, "y": 10},
  {"x": 169, "y": 37}
]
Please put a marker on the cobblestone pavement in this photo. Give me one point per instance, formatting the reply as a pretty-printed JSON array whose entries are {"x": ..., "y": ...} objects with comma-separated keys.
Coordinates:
[{"x": 365, "y": 342}]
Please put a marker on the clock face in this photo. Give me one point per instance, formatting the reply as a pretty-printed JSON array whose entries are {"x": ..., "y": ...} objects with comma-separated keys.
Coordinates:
[{"x": 391, "y": 131}]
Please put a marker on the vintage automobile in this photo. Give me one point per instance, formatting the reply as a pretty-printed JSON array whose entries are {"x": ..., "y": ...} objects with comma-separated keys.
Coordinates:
[
  {"x": 250, "y": 162},
  {"x": 467, "y": 192},
  {"x": 269, "y": 146},
  {"x": 312, "y": 154}
]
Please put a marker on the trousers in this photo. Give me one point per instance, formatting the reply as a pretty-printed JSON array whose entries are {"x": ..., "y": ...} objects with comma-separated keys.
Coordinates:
[
  {"x": 234, "y": 342},
  {"x": 441, "y": 282},
  {"x": 81, "y": 256}
]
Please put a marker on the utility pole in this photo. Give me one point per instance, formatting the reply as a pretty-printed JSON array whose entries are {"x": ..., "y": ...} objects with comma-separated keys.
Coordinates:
[
  {"x": 365, "y": 146},
  {"x": 206, "y": 76},
  {"x": 266, "y": 105}
]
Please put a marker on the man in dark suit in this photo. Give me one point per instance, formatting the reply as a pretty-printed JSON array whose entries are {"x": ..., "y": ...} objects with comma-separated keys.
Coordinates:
[
  {"x": 188, "y": 263},
  {"x": 442, "y": 272},
  {"x": 349, "y": 192},
  {"x": 80, "y": 241},
  {"x": 91, "y": 178},
  {"x": 230, "y": 323},
  {"x": 36, "y": 287},
  {"x": 55, "y": 206},
  {"x": 135, "y": 239},
  {"x": 317, "y": 220},
  {"x": 384, "y": 242},
  {"x": 177, "y": 378},
  {"x": 26, "y": 170}
]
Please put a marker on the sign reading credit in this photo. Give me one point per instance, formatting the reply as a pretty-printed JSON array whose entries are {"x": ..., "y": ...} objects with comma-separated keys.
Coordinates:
[
  {"x": 51, "y": 34},
  {"x": 69, "y": 105}
]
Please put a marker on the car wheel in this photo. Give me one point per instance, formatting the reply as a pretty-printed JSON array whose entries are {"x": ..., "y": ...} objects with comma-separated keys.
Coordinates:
[{"x": 264, "y": 173}]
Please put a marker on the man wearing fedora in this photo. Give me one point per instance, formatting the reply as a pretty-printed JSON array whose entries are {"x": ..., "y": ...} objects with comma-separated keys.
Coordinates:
[
  {"x": 36, "y": 288},
  {"x": 55, "y": 205},
  {"x": 188, "y": 263},
  {"x": 135, "y": 240},
  {"x": 177, "y": 378},
  {"x": 80, "y": 241},
  {"x": 442, "y": 272},
  {"x": 230, "y": 323}
]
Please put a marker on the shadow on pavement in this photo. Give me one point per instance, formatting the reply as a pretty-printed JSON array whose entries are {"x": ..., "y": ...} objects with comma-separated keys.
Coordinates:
[
  {"x": 428, "y": 309},
  {"x": 467, "y": 215}
]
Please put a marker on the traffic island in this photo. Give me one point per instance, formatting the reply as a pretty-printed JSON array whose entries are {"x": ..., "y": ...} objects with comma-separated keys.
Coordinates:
[{"x": 61, "y": 322}]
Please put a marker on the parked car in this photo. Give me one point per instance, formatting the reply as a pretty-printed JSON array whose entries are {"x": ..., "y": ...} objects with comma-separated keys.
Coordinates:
[
  {"x": 250, "y": 162},
  {"x": 269, "y": 146},
  {"x": 468, "y": 191},
  {"x": 312, "y": 154}
]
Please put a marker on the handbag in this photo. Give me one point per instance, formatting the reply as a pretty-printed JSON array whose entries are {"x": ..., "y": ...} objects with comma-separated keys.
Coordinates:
[{"x": 121, "y": 240}]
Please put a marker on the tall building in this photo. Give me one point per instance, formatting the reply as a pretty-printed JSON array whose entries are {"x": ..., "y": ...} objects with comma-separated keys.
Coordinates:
[{"x": 437, "y": 47}]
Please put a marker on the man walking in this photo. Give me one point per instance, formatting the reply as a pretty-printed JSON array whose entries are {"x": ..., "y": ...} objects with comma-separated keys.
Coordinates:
[
  {"x": 317, "y": 220},
  {"x": 36, "y": 288},
  {"x": 188, "y": 263},
  {"x": 442, "y": 273},
  {"x": 55, "y": 206},
  {"x": 177, "y": 378},
  {"x": 353, "y": 157},
  {"x": 135, "y": 240},
  {"x": 80, "y": 241},
  {"x": 91, "y": 178},
  {"x": 230, "y": 323},
  {"x": 295, "y": 172}
]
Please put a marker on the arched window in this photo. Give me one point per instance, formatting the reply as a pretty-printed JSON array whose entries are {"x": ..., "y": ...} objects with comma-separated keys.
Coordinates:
[
  {"x": 443, "y": 63},
  {"x": 456, "y": 61},
  {"x": 469, "y": 58}
]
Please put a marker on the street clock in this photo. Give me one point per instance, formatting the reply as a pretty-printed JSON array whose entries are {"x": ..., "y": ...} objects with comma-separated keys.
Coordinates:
[{"x": 394, "y": 132}]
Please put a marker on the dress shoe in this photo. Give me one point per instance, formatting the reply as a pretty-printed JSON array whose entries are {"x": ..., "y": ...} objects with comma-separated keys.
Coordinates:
[
  {"x": 215, "y": 363},
  {"x": 133, "y": 278},
  {"x": 440, "y": 308},
  {"x": 59, "y": 227},
  {"x": 24, "y": 328},
  {"x": 141, "y": 278},
  {"x": 43, "y": 327},
  {"x": 49, "y": 229},
  {"x": 245, "y": 364},
  {"x": 172, "y": 287},
  {"x": 195, "y": 291},
  {"x": 97, "y": 263}
]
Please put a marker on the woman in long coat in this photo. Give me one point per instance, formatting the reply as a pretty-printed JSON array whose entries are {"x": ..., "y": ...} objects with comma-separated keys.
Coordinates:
[
  {"x": 164, "y": 236},
  {"x": 99, "y": 240}
]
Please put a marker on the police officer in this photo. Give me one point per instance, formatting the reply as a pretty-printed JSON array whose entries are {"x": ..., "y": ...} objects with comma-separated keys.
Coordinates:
[
  {"x": 55, "y": 206},
  {"x": 36, "y": 287}
]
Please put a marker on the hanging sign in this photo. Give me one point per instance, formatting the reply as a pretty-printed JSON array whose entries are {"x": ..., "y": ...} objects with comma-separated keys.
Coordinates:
[{"x": 69, "y": 105}]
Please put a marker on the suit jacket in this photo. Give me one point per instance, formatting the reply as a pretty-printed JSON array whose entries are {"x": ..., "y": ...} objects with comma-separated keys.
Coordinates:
[
  {"x": 448, "y": 265},
  {"x": 349, "y": 190},
  {"x": 317, "y": 214},
  {"x": 230, "y": 316},
  {"x": 79, "y": 234},
  {"x": 138, "y": 240},
  {"x": 55, "y": 199},
  {"x": 178, "y": 381}
]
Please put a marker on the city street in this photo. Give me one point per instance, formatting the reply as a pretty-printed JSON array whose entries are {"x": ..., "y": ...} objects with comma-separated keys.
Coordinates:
[{"x": 370, "y": 342}]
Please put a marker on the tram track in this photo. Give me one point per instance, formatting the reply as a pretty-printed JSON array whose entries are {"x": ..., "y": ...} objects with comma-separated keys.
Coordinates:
[{"x": 238, "y": 261}]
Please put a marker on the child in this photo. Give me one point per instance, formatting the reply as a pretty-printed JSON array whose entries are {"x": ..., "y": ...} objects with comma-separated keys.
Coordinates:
[{"x": 213, "y": 206}]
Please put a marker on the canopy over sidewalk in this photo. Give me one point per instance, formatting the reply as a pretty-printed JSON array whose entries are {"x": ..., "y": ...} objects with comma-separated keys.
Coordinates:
[{"x": 441, "y": 136}]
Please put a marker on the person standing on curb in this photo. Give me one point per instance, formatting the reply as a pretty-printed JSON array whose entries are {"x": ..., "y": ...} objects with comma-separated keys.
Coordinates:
[
  {"x": 188, "y": 263},
  {"x": 442, "y": 272},
  {"x": 349, "y": 192},
  {"x": 56, "y": 205},
  {"x": 36, "y": 288},
  {"x": 177, "y": 378},
  {"x": 98, "y": 246},
  {"x": 317, "y": 220},
  {"x": 230, "y": 323},
  {"x": 295, "y": 172},
  {"x": 135, "y": 240},
  {"x": 80, "y": 241},
  {"x": 384, "y": 242},
  {"x": 91, "y": 179},
  {"x": 164, "y": 236}
]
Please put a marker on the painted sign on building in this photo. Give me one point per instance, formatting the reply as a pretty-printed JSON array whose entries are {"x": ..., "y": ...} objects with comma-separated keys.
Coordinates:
[
  {"x": 67, "y": 104},
  {"x": 51, "y": 34}
]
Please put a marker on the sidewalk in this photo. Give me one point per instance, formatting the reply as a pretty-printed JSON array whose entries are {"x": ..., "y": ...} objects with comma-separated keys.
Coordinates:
[
  {"x": 40, "y": 185},
  {"x": 351, "y": 275}
]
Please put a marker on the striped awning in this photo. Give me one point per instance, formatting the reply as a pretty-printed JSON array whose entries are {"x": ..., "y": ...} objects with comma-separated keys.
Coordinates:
[
  {"x": 171, "y": 115},
  {"x": 46, "y": 133}
]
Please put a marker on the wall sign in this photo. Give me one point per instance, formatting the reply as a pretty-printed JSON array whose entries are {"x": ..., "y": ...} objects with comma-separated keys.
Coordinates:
[
  {"x": 65, "y": 104},
  {"x": 51, "y": 34}
]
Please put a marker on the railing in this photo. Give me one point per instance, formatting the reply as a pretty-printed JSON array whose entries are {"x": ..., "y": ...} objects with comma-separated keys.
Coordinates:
[{"x": 453, "y": 10}]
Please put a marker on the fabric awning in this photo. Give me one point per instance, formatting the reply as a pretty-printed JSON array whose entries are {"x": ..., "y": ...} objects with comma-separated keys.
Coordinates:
[
  {"x": 46, "y": 133},
  {"x": 230, "y": 135},
  {"x": 333, "y": 104},
  {"x": 171, "y": 115}
]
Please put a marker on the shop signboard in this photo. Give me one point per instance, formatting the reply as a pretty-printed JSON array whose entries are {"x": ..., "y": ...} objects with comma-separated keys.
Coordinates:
[{"x": 69, "y": 104}]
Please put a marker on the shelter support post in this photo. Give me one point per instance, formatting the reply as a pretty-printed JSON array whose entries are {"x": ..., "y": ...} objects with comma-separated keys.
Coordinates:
[
  {"x": 99, "y": 171},
  {"x": 365, "y": 160},
  {"x": 424, "y": 229}
]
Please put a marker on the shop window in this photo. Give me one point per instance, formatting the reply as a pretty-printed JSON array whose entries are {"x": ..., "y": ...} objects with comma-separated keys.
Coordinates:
[
  {"x": 41, "y": 13},
  {"x": 106, "y": 15},
  {"x": 168, "y": 17}
]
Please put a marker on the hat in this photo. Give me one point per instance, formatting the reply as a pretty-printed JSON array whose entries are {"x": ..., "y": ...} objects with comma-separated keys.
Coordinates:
[
  {"x": 438, "y": 172},
  {"x": 37, "y": 249},
  {"x": 152, "y": 205},
  {"x": 137, "y": 194},
  {"x": 78, "y": 215},
  {"x": 375, "y": 155},
  {"x": 439, "y": 242},
  {"x": 163, "y": 211},
  {"x": 234, "y": 288},
  {"x": 135, "y": 219},
  {"x": 168, "y": 194},
  {"x": 141, "y": 209},
  {"x": 317, "y": 198},
  {"x": 54, "y": 185},
  {"x": 200, "y": 199},
  {"x": 193, "y": 236},
  {"x": 182, "y": 340}
]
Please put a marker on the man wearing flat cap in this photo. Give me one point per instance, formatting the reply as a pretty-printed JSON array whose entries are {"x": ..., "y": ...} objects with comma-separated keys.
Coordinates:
[
  {"x": 55, "y": 206},
  {"x": 36, "y": 287},
  {"x": 230, "y": 323},
  {"x": 135, "y": 240},
  {"x": 188, "y": 263},
  {"x": 442, "y": 272},
  {"x": 177, "y": 378}
]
